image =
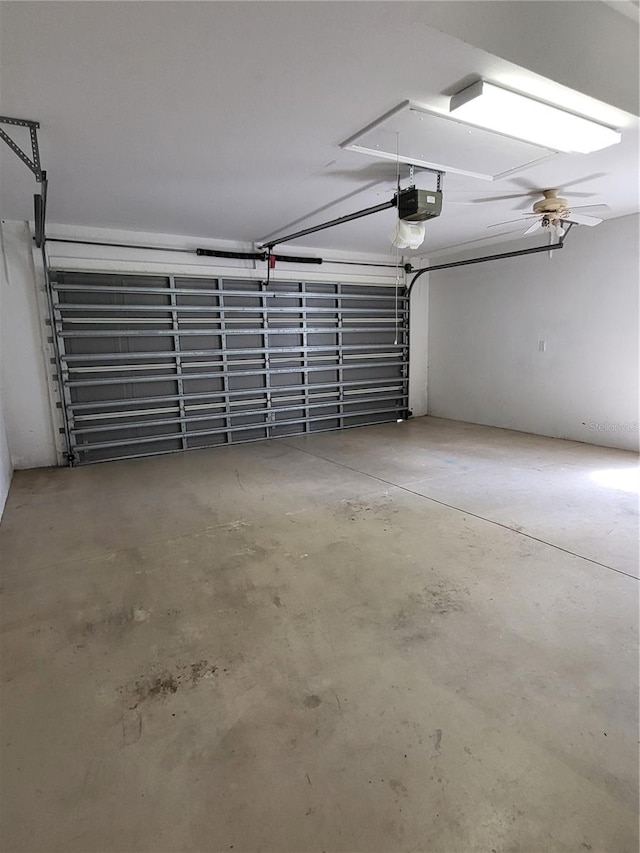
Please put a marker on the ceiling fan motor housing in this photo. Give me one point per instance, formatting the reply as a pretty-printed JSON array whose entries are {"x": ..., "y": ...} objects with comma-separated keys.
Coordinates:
[
  {"x": 551, "y": 205},
  {"x": 417, "y": 205}
]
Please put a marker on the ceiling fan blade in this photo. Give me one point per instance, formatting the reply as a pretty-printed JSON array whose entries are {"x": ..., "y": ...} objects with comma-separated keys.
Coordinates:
[
  {"x": 526, "y": 185},
  {"x": 525, "y": 200},
  {"x": 584, "y": 180},
  {"x": 537, "y": 224},
  {"x": 602, "y": 207},
  {"x": 499, "y": 224},
  {"x": 496, "y": 198},
  {"x": 580, "y": 195},
  {"x": 526, "y": 203},
  {"x": 582, "y": 219},
  {"x": 509, "y": 221}
]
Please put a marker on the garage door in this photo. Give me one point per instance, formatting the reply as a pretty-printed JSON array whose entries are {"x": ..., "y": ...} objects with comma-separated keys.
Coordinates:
[{"x": 160, "y": 364}]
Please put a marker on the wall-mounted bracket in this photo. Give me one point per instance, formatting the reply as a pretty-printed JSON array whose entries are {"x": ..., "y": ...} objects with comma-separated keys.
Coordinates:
[{"x": 33, "y": 163}]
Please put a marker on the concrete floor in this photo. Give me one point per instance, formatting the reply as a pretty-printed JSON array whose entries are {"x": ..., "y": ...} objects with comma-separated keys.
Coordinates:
[{"x": 414, "y": 637}]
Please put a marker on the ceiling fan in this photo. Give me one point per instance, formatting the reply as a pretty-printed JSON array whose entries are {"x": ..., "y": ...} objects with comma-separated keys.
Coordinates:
[{"x": 551, "y": 211}]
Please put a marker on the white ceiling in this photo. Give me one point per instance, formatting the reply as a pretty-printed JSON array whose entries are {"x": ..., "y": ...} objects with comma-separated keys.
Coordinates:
[{"x": 224, "y": 119}]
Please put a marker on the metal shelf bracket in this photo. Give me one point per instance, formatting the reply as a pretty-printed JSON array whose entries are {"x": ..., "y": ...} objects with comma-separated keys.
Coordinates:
[{"x": 34, "y": 165}]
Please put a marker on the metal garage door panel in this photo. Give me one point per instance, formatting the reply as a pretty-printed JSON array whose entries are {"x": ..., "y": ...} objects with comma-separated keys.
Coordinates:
[{"x": 157, "y": 364}]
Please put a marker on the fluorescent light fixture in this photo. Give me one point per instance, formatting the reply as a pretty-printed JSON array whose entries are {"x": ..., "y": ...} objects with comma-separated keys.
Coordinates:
[{"x": 485, "y": 105}]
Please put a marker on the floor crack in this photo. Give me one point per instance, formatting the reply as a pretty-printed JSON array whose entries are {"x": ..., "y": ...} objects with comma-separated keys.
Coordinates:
[{"x": 465, "y": 511}]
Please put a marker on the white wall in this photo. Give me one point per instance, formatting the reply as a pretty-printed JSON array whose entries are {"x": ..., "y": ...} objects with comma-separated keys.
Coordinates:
[
  {"x": 25, "y": 389},
  {"x": 418, "y": 341},
  {"x": 6, "y": 468},
  {"x": 486, "y": 321}
]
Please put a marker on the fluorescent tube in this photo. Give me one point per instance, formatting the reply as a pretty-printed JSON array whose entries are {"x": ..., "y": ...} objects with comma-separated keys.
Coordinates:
[{"x": 519, "y": 116}]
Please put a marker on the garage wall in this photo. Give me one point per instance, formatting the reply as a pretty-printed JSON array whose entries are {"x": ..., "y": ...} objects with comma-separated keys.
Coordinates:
[
  {"x": 33, "y": 437},
  {"x": 418, "y": 342},
  {"x": 27, "y": 411},
  {"x": 486, "y": 322},
  {"x": 6, "y": 469}
]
